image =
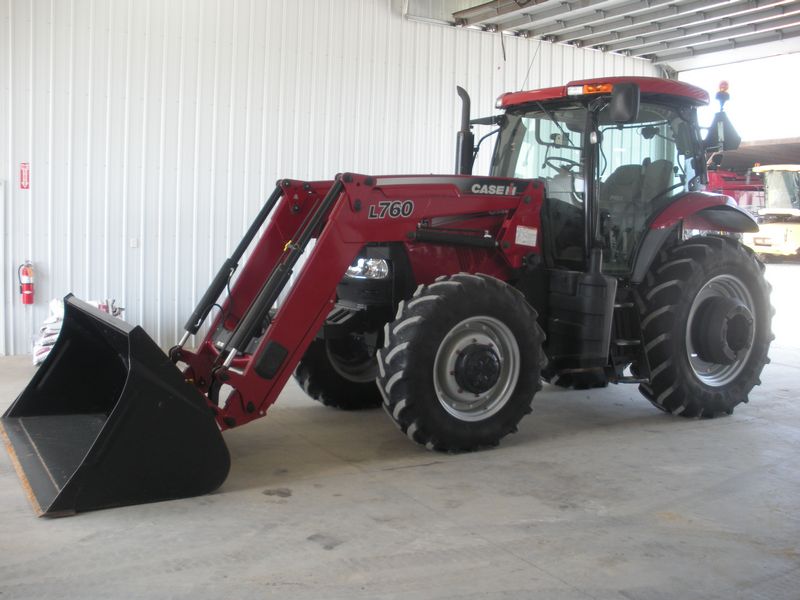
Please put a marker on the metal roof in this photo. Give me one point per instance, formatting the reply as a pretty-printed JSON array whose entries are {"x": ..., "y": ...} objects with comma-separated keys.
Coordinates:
[
  {"x": 679, "y": 34},
  {"x": 765, "y": 152}
]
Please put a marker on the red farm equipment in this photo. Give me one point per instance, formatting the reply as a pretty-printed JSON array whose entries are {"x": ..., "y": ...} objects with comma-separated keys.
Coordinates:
[
  {"x": 747, "y": 189},
  {"x": 444, "y": 298}
]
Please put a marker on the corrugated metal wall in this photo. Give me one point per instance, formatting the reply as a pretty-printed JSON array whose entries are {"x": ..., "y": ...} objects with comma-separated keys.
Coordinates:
[{"x": 153, "y": 129}]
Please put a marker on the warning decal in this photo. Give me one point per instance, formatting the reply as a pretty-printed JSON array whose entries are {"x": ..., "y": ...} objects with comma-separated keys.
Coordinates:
[{"x": 526, "y": 236}]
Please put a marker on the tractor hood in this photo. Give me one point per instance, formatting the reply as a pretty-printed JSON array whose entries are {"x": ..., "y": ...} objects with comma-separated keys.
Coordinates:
[{"x": 466, "y": 184}]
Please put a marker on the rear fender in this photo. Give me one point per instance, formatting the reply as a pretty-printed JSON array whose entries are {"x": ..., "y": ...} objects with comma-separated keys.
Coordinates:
[
  {"x": 706, "y": 212},
  {"x": 696, "y": 210}
]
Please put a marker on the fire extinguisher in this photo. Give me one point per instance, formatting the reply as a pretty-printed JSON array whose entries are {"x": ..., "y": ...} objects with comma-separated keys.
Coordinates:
[{"x": 25, "y": 276}]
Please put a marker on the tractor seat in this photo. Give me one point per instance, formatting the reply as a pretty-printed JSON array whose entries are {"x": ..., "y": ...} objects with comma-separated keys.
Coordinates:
[
  {"x": 658, "y": 176},
  {"x": 622, "y": 188}
]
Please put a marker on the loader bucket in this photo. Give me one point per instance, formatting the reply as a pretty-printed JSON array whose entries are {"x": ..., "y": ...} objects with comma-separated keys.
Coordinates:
[{"x": 108, "y": 420}]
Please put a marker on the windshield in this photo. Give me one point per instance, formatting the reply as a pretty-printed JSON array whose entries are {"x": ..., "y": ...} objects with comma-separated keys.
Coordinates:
[
  {"x": 540, "y": 142},
  {"x": 783, "y": 189},
  {"x": 640, "y": 167}
]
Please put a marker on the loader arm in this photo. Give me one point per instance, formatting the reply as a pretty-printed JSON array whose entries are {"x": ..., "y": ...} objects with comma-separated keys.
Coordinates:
[
  {"x": 362, "y": 210},
  {"x": 296, "y": 200}
]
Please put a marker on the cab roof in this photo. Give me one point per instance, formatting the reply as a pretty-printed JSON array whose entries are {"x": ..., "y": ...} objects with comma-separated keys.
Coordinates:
[{"x": 647, "y": 86}]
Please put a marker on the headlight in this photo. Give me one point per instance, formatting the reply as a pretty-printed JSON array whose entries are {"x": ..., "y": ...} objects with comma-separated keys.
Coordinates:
[{"x": 368, "y": 268}]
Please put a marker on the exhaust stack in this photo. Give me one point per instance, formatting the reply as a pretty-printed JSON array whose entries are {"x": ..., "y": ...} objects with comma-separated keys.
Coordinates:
[{"x": 465, "y": 140}]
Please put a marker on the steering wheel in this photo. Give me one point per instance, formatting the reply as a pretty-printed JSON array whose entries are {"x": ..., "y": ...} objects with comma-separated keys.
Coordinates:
[{"x": 567, "y": 161}]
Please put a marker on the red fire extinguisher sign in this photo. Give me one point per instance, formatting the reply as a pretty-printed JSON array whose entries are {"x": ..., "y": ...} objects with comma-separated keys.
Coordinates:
[{"x": 24, "y": 176}]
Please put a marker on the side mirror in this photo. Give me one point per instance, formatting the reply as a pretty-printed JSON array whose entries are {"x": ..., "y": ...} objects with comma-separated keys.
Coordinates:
[
  {"x": 493, "y": 120},
  {"x": 722, "y": 135},
  {"x": 624, "y": 103}
]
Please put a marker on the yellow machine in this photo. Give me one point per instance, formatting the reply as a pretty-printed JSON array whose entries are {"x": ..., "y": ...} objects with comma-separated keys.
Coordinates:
[{"x": 779, "y": 221}]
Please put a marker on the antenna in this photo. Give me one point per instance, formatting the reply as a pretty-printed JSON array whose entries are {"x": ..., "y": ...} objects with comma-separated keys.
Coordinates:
[{"x": 524, "y": 83}]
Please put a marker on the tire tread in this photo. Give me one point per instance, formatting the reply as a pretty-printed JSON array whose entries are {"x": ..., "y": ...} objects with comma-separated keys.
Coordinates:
[{"x": 673, "y": 387}]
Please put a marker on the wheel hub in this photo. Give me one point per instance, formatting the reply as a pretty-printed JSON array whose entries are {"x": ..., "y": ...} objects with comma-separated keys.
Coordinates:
[
  {"x": 722, "y": 330},
  {"x": 477, "y": 368}
]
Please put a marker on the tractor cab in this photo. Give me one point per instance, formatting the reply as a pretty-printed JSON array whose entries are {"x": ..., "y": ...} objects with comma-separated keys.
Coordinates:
[{"x": 602, "y": 160}]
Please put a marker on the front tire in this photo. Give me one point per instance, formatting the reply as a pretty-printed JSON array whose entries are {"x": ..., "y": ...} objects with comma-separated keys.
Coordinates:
[
  {"x": 339, "y": 374},
  {"x": 460, "y": 363},
  {"x": 706, "y": 318}
]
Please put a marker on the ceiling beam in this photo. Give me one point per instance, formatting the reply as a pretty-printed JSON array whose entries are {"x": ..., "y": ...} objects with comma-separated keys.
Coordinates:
[
  {"x": 669, "y": 30},
  {"x": 659, "y": 30},
  {"x": 486, "y": 12},
  {"x": 545, "y": 13},
  {"x": 721, "y": 34},
  {"x": 498, "y": 14},
  {"x": 537, "y": 29},
  {"x": 706, "y": 8},
  {"x": 753, "y": 40}
]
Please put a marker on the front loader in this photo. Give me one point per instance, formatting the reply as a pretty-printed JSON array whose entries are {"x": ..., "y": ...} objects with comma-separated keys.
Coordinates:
[{"x": 444, "y": 298}]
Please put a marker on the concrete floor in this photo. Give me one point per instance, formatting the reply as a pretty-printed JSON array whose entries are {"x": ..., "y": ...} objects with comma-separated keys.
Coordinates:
[{"x": 598, "y": 496}]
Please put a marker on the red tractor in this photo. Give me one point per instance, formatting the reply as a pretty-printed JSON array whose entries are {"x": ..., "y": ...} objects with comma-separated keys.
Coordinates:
[{"x": 444, "y": 298}]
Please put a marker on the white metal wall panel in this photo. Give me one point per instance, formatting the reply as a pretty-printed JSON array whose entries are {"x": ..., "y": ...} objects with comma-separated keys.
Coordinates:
[{"x": 154, "y": 128}]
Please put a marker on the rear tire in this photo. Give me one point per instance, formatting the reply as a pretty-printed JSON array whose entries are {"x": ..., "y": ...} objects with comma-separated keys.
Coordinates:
[
  {"x": 460, "y": 363},
  {"x": 327, "y": 382},
  {"x": 706, "y": 319}
]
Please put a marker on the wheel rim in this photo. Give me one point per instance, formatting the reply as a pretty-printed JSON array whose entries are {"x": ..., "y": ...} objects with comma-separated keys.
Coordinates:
[
  {"x": 710, "y": 373},
  {"x": 481, "y": 338},
  {"x": 353, "y": 357}
]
